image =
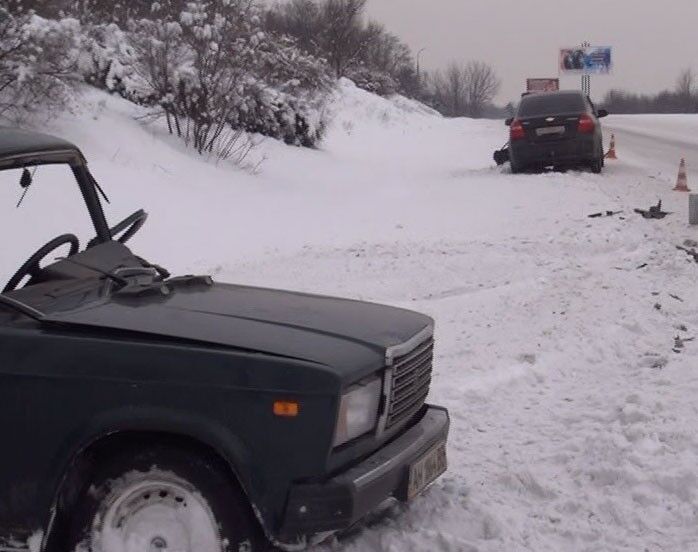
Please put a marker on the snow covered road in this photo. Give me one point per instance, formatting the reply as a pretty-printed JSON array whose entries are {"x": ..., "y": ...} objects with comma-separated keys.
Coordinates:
[
  {"x": 573, "y": 418},
  {"x": 656, "y": 142}
]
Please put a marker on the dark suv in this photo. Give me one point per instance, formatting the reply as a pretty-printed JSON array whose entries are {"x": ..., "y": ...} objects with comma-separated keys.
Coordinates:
[
  {"x": 141, "y": 411},
  {"x": 558, "y": 129}
]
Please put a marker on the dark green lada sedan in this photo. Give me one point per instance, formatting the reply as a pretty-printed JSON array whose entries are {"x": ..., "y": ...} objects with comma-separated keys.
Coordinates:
[{"x": 143, "y": 412}]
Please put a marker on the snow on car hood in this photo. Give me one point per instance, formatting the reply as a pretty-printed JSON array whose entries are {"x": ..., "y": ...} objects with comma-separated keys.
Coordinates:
[{"x": 344, "y": 334}]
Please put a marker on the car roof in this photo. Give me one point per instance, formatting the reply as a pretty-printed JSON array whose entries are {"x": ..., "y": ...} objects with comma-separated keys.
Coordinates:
[{"x": 20, "y": 147}]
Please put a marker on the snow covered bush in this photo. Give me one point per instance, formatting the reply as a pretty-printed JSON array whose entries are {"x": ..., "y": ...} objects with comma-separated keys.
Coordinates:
[
  {"x": 211, "y": 71},
  {"x": 288, "y": 100},
  {"x": 108, "y": 61},
  {"x": 376, "y": 82},
  {"x": 206, "y": 67},
  {"x": 38, "y": 65},
  {"x": 336, "y": 30}
]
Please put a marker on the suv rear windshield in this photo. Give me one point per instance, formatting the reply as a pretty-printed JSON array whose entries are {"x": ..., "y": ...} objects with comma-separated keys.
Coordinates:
[{"x": 539, "y": 105}]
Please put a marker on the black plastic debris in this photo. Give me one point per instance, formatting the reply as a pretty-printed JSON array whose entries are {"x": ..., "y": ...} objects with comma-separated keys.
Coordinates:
[
  {"x": 605, "y": 214},
  {"x": 654, "y": 212},
  {"x": 501, "y": 156},
  {"x": 680, "y": 343}
]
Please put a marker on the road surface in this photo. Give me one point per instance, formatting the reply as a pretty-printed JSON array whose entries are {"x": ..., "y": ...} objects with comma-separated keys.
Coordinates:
[{"x": 656, "y": 143}]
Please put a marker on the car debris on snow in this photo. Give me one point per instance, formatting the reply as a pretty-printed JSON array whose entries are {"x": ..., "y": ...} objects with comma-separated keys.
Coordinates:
[
  {"x": 654, "y": 212},
  {"x": 501, "y": 156},
  {"x": 654, "y": 361},
  {"x": 606, "y": 213},
  {"x": 680, "y": 343}
]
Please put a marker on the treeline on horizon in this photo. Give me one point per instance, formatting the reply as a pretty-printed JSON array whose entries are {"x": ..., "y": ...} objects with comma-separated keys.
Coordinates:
[{"x": 682, "y": 99}]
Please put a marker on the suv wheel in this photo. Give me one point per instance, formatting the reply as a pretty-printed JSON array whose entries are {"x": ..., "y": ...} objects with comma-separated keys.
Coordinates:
[
  {"x": 516, "y": 168},
  {"x": 597, "y": 165},
  {"x": 163, "y": 499}
]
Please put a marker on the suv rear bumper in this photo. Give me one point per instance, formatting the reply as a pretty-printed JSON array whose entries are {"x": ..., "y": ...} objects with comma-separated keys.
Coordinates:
[{"x": 343, "y": 500}]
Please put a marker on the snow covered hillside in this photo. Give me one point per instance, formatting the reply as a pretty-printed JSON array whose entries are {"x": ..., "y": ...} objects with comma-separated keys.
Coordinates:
[{"x": 572, "y": 403}]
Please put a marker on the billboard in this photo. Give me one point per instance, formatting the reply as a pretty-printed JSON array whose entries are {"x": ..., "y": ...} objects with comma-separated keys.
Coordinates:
[
  {"x": 592, "y": 60},
  {"x": 542, "y": 85}
]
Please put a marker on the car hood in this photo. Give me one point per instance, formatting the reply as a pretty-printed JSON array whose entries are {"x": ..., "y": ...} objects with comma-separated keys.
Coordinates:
[{"x": 350, "y": 336}]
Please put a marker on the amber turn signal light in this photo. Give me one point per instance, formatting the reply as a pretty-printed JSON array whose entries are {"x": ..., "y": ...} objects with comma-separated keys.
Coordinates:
[{"x": 286, "y": 409}]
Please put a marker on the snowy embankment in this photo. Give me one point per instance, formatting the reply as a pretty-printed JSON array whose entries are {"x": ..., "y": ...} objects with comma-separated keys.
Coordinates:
[{"x": 573, "y": 420}]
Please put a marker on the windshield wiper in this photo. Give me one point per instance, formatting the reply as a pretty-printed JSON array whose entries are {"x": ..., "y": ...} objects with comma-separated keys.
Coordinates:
[
  {"x": 22, "y": 308},
  {"x": 113, "y": 277}
]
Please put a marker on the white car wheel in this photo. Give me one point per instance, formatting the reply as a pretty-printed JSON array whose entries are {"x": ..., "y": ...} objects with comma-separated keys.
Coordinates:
[
  {"x": 155, "y": 513},
  {"x": 159, "y": 498}
]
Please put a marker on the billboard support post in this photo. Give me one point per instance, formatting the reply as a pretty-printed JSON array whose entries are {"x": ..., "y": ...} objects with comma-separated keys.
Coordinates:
[{"x": 586, "y": 78}]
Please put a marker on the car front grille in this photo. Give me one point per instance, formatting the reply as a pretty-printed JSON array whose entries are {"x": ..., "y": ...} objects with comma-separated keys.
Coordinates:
[{"x": 411, "y": 377}]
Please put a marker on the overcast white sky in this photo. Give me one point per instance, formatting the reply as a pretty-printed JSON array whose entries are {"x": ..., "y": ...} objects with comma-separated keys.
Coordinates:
[{"x": 652, "y": 39}]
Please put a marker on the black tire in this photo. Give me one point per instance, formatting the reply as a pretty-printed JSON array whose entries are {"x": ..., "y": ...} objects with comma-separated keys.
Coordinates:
[
  {"x": 516, "y": 168},
  {"x": 597, "y": 165},
  {"x": 133, "y": 478}
]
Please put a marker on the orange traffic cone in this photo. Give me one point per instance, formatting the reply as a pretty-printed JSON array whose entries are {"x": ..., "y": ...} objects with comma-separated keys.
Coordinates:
[
  {"x": 682, "y": 180},
  {"x": 612, "y": 151}
]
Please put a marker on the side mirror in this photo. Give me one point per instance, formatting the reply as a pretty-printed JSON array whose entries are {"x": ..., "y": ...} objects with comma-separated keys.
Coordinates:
[
  {"x": 509, "y": 121},
  {"x": 602, "y": 113}
]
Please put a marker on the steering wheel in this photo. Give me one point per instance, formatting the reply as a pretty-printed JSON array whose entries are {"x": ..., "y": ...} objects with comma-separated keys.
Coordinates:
[
  {"x": 131, "y": 224},
  {"x": 32, "y": 268}
]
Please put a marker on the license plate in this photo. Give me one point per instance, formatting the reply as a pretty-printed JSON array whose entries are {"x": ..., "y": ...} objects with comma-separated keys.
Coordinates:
[
  {"x": 550, "y": 130},
  {"x": 425, "y": 470}
]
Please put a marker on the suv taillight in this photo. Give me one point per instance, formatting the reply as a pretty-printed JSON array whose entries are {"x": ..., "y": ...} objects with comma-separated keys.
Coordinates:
[
  {"x": 516, "y": 131},
  {"x": 586, "y": 124}
]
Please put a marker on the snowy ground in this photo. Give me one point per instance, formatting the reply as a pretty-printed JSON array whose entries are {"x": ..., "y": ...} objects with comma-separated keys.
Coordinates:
[{"x": 572, "y": 418}]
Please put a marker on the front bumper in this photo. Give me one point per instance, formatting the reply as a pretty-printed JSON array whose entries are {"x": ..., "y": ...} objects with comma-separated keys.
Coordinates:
[{"x": 343, "y": 500}]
